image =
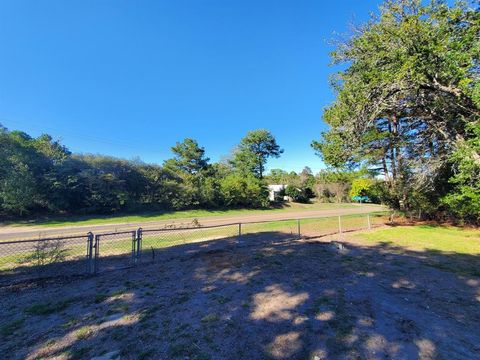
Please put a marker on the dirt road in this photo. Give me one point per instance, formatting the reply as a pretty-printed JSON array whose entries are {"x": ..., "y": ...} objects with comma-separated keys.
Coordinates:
[{"x": 30, "y": 232}]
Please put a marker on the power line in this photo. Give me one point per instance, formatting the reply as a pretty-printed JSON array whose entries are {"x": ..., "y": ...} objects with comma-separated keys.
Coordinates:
[
  {"x": 94, "y": 139},
  {"x": 139, "y": 144}
]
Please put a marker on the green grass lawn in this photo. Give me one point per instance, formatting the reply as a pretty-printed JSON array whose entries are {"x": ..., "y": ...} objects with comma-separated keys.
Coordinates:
[
  {"x": 428, "y": 238},
  {"x": 170, "y": 215},
  {"x": 447, "y": 248}
]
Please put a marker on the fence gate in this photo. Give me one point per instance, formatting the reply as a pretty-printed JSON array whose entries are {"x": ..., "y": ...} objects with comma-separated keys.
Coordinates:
[{"x": 116, "y": 250}]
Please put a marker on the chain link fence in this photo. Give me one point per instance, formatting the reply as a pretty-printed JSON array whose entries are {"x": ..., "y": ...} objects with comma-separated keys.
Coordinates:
[
  {"x": 43, "y": 258},
  {"x": 113, "y": 251},
  {"x": 90, "y": 254},
  {"x": 151, "y": 241}
]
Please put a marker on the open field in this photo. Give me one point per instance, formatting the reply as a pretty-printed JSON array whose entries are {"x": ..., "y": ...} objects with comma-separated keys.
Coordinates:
[
  {"x": 171, "y": 215},
  {"x": 392, "y": 293}
]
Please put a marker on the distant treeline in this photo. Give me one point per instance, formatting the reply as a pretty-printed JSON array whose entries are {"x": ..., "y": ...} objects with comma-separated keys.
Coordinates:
[{"x": 41, "y": 176}]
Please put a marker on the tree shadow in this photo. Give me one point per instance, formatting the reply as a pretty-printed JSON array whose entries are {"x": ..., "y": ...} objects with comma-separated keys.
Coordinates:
[{"x": 259, "y": 296}]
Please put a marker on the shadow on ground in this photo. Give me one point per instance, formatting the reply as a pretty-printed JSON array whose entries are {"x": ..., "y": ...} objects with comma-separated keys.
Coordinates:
[{"x": 260, "y": 297}]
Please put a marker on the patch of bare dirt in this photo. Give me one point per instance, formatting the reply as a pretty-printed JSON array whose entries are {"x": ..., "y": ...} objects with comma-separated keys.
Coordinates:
[{"x": 266, "y": 297}]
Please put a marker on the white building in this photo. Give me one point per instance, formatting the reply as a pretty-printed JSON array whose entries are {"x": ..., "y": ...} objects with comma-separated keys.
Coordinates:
[{"x": 273, "y": 190}]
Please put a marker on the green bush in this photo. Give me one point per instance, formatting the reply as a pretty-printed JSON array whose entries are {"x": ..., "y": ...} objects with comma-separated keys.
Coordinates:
[
  {"x": 240, "y": 190},
  {"x": 301, "y": 195},
  {"x": 361, "y": 187}
]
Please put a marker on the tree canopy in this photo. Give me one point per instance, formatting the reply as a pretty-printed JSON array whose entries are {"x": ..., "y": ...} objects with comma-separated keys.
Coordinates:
[
  {"x": 41, "y": 176},
  {"x": 254, "y": 150},
  {"x": 189, "y": 157},
  {"x": 408, "y": 98}
]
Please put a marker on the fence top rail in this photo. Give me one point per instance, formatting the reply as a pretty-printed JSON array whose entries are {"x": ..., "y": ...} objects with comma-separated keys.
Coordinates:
[
  {"x": 386, "y": 212},
  {"x": 259, "y": 222},
  {"x": 45, "y": 239},
  {"x": 117, "y": 233}
]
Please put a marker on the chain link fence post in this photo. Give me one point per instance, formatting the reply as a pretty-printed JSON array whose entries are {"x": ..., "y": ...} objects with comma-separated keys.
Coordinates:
[
  {"x": 239, "y": 229},
  {"x": 97, "y": 252},
  {"x": 134, "y": 248},
  {"x": 369, "y": 222},
  {"x": 89, "y": 252},
  {"x": 139, "y": 244},
  {"x": 298, "y": 229},
  {"x": 339, "y": 224}
]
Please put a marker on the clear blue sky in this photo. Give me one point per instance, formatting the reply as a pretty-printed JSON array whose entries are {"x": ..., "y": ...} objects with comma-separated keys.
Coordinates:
[{"x": 130, "y": 78}]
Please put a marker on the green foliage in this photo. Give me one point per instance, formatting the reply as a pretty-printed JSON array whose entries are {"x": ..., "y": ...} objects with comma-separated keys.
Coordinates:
[
  {"x": 26, "y": 167},
  {"x": 189, "y": 157},
  {"x": 307, "y": 180},
  {"x": 334, "y": 185},
  {"x": 464, "y": 200},
  {"x": 301, "y": 186},
  {"x": 379, "y": 193},
  {"x": 361, "y": 187},
  {"x": 291, "y": 191},
  {"x": 40, "y": 176},
  {"x": 301, "y": 195},
  {"x": 279, "y": 177},
  {"x": 19, "y": 191},
  {"x": 240, "y": 190},
  {"x": 406, "y": 100},
  {"x": 253, "y": 152},
  {"x": 338, "y": 175}
]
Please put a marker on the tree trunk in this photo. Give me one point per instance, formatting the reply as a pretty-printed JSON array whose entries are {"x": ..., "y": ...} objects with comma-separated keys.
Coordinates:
[{"x": 392, "y": 151}]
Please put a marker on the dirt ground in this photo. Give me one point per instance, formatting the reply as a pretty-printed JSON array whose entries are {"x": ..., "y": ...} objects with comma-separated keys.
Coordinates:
[{"x": 265, "y": 297}]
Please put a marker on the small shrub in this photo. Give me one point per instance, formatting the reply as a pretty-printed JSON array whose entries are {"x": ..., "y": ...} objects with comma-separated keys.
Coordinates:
[
  {"x": 46, "y": 252},
  {"x": 297, "y": 194}
]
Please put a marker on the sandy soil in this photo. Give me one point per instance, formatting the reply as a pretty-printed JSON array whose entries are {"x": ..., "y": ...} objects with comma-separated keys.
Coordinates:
[{"x": 265, "y": 297}]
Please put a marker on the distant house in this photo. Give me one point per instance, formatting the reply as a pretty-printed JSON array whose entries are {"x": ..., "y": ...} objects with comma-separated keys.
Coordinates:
[{"x": 274, "y": 191}]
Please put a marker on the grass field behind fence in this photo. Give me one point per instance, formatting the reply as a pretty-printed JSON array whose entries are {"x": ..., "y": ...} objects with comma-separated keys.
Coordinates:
[
  {"x": 13, "y": 256},
  {"x": 77, "y": 220}
]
